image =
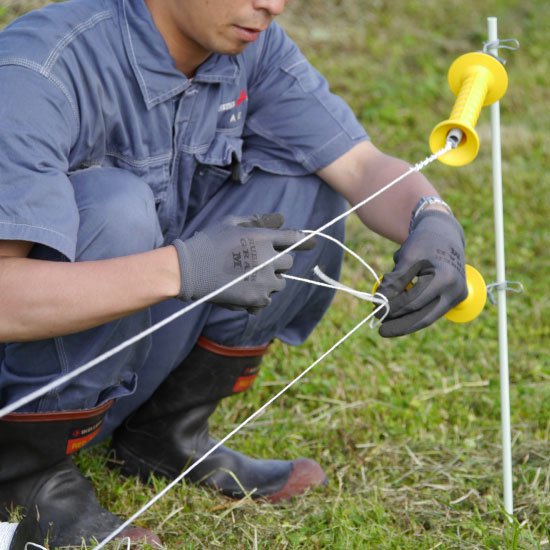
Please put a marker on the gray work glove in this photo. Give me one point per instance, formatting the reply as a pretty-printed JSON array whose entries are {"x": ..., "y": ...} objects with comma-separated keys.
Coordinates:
[
  {"x": 432, "y": 258},
  {"x": 220, "y": 253}
]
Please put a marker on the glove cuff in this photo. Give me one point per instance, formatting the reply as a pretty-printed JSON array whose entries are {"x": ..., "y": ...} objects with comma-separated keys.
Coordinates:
[
  {"x": 434, "y": 214},
  {"x": 186, "y": 286}
]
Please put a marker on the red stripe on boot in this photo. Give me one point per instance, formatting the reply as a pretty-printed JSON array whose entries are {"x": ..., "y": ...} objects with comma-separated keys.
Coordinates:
[
  {"x": 230, "y": 351},
  {"x": 57, "y": 415}
]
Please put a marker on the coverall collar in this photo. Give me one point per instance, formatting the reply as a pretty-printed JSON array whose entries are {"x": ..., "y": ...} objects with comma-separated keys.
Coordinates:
[{"x": 152, "y": 64}]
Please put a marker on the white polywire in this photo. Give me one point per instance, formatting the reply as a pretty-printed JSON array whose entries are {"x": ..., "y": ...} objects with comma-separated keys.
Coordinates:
[
  {"x": 255, "y": 414},
  {"x": 329, "y": 282},
  {"x": 347, "y": 249},
  {"x": 375, "y": 298},
  {"x": 127, "y": 542},
  {"x": 378, "y": 299},
  {"x": 106, "y": 355},
  {"x": 7, "y": 530},
  {"x": 56, "y": 383},
  {"x": 357, "y": 293}
]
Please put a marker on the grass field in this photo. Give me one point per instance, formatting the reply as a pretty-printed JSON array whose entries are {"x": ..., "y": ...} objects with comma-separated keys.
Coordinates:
[{"x": 408, "y": 430}]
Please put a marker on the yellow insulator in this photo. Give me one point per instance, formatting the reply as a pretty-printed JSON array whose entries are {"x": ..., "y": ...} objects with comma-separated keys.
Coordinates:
[
  {"x": 477, "y": 79},
  {"x": 472, "y": 305}
]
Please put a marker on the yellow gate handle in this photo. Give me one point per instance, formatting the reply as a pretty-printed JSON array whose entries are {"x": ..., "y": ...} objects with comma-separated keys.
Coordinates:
[
  {"x": 472, "y": 305},
  {"x": 477, "y": 79}
]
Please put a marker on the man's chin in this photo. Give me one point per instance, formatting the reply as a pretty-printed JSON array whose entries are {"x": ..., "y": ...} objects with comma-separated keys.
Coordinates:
[{"x": 234, "y": 49}]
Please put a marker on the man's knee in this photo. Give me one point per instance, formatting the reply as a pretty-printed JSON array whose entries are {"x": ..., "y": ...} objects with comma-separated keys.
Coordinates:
[{"x": 117, "y": 214}]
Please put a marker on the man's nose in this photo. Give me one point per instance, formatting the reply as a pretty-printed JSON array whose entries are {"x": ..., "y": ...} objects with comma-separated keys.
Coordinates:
[{"x": 273, "y": 7}]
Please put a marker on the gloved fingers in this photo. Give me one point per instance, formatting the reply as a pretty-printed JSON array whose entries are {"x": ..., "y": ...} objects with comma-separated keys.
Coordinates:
[
  {"x": 440, "y": 280},
  {"x": 282, "y": 264},
  {"x": 272, "y": 220},
  {"x": 257, "y": 309},
  {"x": 428, "y": 286},
  {"x": 284, "y": 238},
  {"x": 254, "y": 301},
  {"x": 403, "y": 274},
  {"x": 414, "y": 298},
  {"x": 278, "y": 284},
  {"x": 307, "y": 245},
  {"x": 413, "y": 321},
  {"x": 275, "y": 220},
  {"x": 425, "y": 290},
  {"x": 430, "y": 298}
]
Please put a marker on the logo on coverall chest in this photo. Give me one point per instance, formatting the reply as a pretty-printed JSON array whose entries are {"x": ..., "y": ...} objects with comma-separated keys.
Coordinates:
[{"x": 231, "y": 105}]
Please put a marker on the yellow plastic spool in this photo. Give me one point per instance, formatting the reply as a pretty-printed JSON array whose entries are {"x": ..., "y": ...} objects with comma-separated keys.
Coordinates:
[
  {"x": 477, "y": 79},
  {"x": 472, "y": 305}
]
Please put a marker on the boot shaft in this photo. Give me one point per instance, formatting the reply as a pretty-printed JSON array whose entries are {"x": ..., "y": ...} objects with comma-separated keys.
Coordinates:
[
  {"x": 32, "y": 442},
  {"x": 38, "y": 477},
  {"x": 207, "y": 375},
  {"x": 170, "y": 430}
]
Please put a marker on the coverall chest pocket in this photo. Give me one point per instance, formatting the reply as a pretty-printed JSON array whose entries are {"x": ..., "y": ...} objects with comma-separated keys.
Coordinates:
[{"x": 207, "y": 182}]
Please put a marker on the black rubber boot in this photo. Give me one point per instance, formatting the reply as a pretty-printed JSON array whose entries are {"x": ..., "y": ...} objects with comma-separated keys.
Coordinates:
[
  {"x": 170, "y": 431},
  {"x": 38, "y": 475}
]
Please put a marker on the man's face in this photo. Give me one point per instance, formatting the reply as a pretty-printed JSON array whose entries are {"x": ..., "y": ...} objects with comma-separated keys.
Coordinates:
[{"x": 221, "y": 26}]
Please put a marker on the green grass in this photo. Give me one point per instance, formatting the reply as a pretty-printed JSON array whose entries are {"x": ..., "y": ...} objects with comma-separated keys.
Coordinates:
[{"x": 408, "y": 430}]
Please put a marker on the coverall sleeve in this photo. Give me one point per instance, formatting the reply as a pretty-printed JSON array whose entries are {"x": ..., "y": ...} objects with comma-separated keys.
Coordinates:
[
  {"x": 295, "y": 124},
  {"x": 37, "y": 127}
]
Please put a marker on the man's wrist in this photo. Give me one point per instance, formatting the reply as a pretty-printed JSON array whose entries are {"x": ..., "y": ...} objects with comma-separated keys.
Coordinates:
[{"x": 431, "y": 202}]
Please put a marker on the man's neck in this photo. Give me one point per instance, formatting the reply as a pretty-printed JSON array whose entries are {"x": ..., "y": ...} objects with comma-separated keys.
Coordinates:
[{"x": 187, "y": 55}]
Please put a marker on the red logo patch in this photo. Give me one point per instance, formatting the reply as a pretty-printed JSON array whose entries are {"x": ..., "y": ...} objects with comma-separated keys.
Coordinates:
[
  {"x": 75, "y": 444},
  {"x": 243, "y": 96}
]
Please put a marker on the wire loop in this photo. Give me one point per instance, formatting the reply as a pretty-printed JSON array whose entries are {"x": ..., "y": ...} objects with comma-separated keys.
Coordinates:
[
  {"x": 502, "y": 44},
  {"x": 510, "y": 286}
]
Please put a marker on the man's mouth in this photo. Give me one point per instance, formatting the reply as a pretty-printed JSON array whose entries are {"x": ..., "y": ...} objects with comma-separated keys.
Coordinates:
[{"x": 248, "y": 34}]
